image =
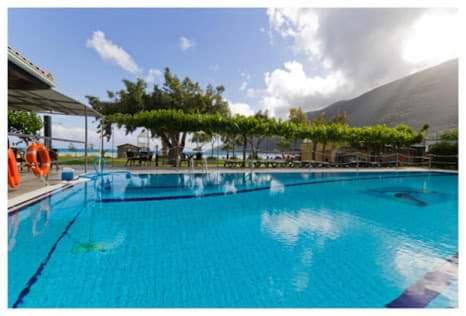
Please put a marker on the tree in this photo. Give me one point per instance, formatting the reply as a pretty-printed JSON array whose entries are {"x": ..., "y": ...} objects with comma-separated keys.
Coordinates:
[
  {"x": 256, "y": 140},
  {"x": 230, "y": 141},
  {"x": 297, "y": 116},
  {"x": 242, "y": 128},
  {"x": 25, "y": 123},
  {"x": 175, "y": 94},
  {"x": 201, "y": 138},
  {"x": 450, "y": 135},
  {"x": 445, "y": 152},
  {"x": 283, "y": 145}
]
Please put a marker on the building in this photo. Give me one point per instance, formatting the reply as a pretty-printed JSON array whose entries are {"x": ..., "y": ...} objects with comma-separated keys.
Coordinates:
[
  {"x": 124, "y": 148},
  {"x": 329, "y": 155},
  {"x": 32, "y": 89}
]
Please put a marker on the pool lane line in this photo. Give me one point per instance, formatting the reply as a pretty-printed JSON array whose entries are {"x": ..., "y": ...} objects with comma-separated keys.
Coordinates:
[
  {"x": 35, "y": 277},
  {"x": 213, "y": 194},
  {"x": 431, "y": 285}
]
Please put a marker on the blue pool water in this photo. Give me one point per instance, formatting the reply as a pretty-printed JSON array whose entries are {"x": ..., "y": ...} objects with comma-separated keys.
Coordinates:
[{"x": 235, "y": 240}]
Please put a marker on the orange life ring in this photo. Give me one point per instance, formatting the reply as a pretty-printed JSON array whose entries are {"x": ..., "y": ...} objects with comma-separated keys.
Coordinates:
[
  {"x": 38, "y": 159},
  {"x": 14, "y": 178}
]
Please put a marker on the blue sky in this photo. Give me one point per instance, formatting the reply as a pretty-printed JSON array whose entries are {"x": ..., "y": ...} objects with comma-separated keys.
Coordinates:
[{"x": 266, "y": 59}]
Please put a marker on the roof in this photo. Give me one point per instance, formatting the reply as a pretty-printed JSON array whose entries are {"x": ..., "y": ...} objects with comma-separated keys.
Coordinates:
[
  {"x": 30, "y": 88},
  {"x": 131, "y": 145},
  {"x": 47, "y": 101},
  {"x": 27, "y": 66}
]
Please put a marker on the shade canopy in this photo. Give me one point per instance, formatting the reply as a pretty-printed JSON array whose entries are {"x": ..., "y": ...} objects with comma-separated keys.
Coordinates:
[
  {"x": 30, "y": 88},
  {"x": 47, "y": 101}
]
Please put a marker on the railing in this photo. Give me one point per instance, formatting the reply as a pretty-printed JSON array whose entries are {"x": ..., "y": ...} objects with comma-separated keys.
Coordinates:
[
  {"x": 287, "y": 159},
  {"x": 60, "y": 154}
]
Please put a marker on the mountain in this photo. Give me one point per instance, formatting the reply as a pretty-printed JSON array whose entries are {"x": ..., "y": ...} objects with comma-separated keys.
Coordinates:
[{"x": 429, "y": 96}]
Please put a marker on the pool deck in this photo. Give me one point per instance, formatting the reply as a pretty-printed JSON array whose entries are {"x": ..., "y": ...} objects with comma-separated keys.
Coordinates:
[{"x": 33, "y": 188}]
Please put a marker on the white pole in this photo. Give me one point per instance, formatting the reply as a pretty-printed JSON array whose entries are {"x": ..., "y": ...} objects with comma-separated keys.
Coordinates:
[{"x": 85, "y": 139}]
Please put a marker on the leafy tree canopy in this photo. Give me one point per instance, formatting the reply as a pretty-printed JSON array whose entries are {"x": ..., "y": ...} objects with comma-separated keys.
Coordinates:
[
  {"x": 181, "y": 95},
  {"x": 297, "y": 116},
  {"x": 24, "y": 122}
]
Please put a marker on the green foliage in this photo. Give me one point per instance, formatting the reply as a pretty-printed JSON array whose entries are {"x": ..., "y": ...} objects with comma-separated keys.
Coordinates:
[
  {"x": 297, "y": 116},
  {"x": 450, "y": 135},
  {"x": 175, "y": 94},
  {"x": 24, "y": 122},
  {"x": 371, "y": 136},
  {"x": 448, "y": 145},
  {"x": 178, "y": 95},
  {"x": 201, "y": 138},
  {"x": 283, "y": 145}
]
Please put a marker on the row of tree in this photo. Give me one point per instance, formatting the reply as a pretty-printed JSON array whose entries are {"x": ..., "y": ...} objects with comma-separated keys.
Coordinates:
[
  {"x": 248, "y": 128},
  {"x": 181, "y": 107}
]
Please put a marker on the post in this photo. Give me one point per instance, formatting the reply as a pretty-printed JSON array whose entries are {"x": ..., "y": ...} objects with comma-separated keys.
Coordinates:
[
  {"x": 397, "y": 160},
  {"x": 48, "y": 131},
  {"x": 101, "y": 145},
  {"x": 85, "y": 139}
]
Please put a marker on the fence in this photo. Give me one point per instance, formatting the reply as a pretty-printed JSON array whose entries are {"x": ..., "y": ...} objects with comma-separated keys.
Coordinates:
[{"x": 289, "y": 159}]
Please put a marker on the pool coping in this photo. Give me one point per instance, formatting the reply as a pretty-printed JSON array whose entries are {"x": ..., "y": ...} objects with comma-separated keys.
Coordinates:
[{"x": 41, "y": 193}]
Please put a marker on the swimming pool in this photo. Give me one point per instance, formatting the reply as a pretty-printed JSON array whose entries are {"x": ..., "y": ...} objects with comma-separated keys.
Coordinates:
[{"x": 239, "y": 240}]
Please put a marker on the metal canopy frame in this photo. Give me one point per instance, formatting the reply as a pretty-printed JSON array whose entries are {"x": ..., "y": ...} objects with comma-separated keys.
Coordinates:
[
  {"x": 30, "y": 88},
  {"x": 47, "y": 101}
]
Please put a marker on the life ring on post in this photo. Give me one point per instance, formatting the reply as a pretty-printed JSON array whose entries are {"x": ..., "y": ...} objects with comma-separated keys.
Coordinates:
[
  {"x": 38, "y": 159},
  {"x": 14, "y": 178}
]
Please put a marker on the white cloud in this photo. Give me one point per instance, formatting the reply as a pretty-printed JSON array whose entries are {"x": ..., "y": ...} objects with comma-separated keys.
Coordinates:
[
  {"x": 240, "y": 108},
  {"x": 299, "y": 24},
  {"x": 350, "y": 51},
  {"x": 186, "y": 43},
  {"x": 111, "y": 52},
  {"x": 61, "y": 129},
  {"x": 251, "y": 92},
  {"x": 432, "y": 39},
  {"x": 153, "y": 75},
  {"x": 243, "y": 86},
  {"x": 291, "y": 86}
]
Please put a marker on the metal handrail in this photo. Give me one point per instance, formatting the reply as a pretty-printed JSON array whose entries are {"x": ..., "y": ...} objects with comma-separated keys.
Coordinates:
[{"x": 44, "y": 137}]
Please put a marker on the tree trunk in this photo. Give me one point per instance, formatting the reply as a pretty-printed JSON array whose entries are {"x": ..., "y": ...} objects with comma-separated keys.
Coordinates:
[
  {"x": 253, "y": 151},
  {"x": 324, "y": 154},
  {"x": 173, "y": 145},
  {"x": 245, "y": 147},
  {"x": 314, "y": 149}
]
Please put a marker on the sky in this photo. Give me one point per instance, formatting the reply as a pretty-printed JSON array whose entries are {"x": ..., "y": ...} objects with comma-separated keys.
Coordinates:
[{"x": 267, "y": 59}]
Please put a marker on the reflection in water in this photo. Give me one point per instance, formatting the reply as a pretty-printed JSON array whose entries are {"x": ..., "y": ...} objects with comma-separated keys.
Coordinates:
[
  {"x": 276, "y": 186},
  {"x": 198, "y": 184},
  {"x": 301, "y": 281},
  {"x": 227, "y": 183},
  {"x": 411, "y": 259},
  {"x": 288, "y": 226},
  {"x": 13, "y": 227},
  {"x": 41, "y": 216},
  {"x": 229, "y": 187}
]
